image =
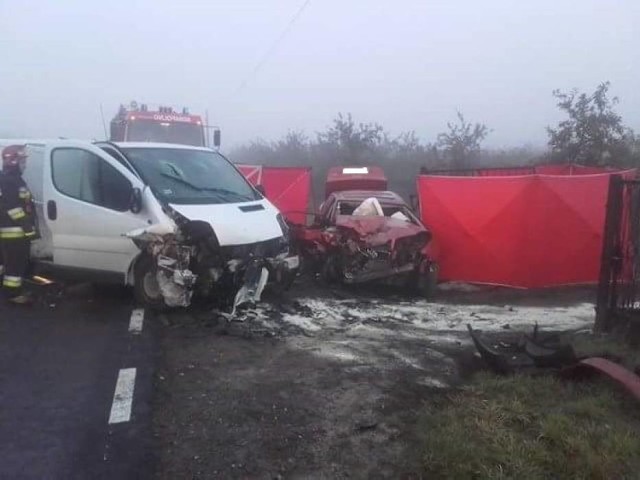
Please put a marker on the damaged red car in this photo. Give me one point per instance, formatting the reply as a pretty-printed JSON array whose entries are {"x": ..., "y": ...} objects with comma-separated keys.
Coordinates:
[{"x": 363, "y": 236}]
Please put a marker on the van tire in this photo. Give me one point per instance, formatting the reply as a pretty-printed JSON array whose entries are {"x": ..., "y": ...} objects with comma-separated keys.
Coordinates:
[{"x": 145, "y": 285}]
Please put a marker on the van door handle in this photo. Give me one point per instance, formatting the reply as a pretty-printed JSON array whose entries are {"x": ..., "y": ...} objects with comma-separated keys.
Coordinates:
[{"x": 52, "y": 210}]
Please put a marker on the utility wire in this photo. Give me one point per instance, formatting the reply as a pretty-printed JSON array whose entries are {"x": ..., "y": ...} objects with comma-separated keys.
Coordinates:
[
  {"x": 273, "y": 46},
  {"x": 104, "y": 124}
]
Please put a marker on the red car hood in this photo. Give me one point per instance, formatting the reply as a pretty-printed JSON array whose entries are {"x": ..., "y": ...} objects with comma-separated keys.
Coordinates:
[{"x": 379, "y": 230}]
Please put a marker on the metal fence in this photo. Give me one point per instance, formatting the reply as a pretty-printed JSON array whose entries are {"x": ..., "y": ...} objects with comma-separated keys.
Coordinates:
[{"x": 619, "y": 285}]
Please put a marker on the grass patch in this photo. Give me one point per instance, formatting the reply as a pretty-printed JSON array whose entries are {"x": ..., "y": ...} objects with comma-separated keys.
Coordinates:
[
  {"x": 525, "y": 427},
  {"x": 589, "y": 344}
]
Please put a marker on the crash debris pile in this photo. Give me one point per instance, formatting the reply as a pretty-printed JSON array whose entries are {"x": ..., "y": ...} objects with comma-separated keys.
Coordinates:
[
  {"x": 535, "y": 354},
  {"x": 186, "y": 258}
]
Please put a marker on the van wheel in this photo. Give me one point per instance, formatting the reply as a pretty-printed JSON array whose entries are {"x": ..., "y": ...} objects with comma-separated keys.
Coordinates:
[{"x": 146, "y": 288}]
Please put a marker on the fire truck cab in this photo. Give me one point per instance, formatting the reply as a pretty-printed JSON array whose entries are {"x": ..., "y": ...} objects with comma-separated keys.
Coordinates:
[{"x": 137, "y": 123}]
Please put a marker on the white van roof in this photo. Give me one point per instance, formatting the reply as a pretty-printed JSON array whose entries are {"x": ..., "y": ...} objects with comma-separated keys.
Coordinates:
[
  {"x": 24, "y": 141},
  {"x": 48, "y": 141},
  {"x": 158, "y": 145}
]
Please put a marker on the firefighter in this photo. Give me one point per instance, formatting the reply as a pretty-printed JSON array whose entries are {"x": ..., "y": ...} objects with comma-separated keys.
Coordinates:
[{"x": 17, "y": 223}]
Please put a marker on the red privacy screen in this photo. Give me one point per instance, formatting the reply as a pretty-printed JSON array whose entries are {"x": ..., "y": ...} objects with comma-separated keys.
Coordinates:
[
  {"x": 532, "y": 230},
  {"x": 253, "y": 173},
  {"x": 288, "y": 188}
]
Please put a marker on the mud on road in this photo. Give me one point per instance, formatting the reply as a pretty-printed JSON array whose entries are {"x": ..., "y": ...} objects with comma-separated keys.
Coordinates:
[{"x": 322, "y": 383}]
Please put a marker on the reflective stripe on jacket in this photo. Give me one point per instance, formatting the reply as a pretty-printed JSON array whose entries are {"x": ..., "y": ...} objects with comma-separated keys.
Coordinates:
[
  {"x": 16, "y": 213},
  {"x": 11, "y": 282},
  {"x": 11, "y": 233},
  {"x": 16, "y": 206}
]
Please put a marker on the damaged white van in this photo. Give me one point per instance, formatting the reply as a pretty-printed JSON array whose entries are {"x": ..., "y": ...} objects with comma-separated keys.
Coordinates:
[{"x": 170, "y": 220}]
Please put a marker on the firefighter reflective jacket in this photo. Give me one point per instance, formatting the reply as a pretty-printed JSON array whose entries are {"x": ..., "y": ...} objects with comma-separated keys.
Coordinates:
[{"x": 17, "y": 212}]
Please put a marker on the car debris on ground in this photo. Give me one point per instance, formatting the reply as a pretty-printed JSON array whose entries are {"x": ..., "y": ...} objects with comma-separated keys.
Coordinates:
[{"x": 536, "y": 354}]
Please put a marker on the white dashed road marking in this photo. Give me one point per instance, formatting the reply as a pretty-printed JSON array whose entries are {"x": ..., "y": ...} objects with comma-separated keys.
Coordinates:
[
  {"x": 137, "y": 318},
  {"x": 123, "y": 396}
]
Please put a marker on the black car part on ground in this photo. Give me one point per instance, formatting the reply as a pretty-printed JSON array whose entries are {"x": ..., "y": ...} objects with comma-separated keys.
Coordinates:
[
  {"x": 549, "y": 357},
  {"x": 559, "y": 358},
  {"x": 495, "y": 360},
  {"x": 531, "y": 352}
]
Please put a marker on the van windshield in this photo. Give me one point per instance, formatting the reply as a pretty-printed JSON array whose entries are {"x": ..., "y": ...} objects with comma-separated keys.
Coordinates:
[{"x": 185, "y": 176}]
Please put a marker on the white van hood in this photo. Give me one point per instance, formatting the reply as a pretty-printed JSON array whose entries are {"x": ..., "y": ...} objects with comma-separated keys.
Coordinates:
[{"x": 236, "y": 223}]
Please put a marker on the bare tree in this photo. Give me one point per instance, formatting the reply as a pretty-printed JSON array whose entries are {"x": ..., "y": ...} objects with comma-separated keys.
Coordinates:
[
  {"x": 352, "y": 142},
  {"x": 293, "y": 149},
  {"x": 461, "y": 143},
  {"x": 402, "y": 156},
  {"x": 593, "y": 133}
]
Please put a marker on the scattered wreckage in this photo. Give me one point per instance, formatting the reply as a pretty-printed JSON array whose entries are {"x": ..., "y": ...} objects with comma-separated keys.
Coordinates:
[
  {"x": 362, "y": 236},
  {"x": 535, "y": 354}
]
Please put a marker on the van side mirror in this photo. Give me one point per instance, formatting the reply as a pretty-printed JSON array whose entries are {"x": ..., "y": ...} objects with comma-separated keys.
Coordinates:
[
  {"x": 216, "y": 137},
  {"x": 136, "y": 201},
  {"x": 260, "y": 188}
]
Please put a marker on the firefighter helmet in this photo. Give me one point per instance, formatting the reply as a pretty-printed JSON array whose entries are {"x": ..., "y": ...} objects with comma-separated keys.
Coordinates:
[{"x": 13, "y": 156}]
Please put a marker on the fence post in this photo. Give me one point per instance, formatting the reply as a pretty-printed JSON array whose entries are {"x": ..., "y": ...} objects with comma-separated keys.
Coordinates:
[{"x": 606, "y": 303}]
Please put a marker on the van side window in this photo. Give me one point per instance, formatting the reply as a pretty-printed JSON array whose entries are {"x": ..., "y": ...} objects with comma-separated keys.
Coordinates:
[{"x": 84, "y": 176}]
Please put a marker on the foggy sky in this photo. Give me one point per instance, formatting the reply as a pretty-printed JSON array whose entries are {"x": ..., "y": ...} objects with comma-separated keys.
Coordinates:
[{"x": 407, "y": 64}]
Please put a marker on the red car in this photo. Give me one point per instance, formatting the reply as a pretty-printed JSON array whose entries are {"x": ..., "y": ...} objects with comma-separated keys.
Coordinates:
[{"x": 361, "y": 236}]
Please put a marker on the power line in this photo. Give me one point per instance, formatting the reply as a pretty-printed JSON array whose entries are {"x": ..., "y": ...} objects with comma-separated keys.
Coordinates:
[{"x": 273, "y": 46}]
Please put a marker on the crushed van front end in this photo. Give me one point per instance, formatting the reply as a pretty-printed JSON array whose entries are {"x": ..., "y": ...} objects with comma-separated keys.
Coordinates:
[{"x": 187, "y": 263}]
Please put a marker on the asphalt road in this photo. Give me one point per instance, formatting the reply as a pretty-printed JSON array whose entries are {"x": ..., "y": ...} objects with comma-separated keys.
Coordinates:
[{"x": 60, "y": 414}]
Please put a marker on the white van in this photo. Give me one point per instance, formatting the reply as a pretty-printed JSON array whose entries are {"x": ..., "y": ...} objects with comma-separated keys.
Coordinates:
[{"x": 168, "y": 219}]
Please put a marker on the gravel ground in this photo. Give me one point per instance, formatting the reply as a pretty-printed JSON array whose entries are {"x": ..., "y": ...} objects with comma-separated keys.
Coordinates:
[{"x": 326, "y": 383}]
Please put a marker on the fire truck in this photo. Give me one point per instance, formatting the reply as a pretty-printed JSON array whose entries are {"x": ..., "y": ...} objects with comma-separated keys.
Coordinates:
[{"x": 137, "y": 123}]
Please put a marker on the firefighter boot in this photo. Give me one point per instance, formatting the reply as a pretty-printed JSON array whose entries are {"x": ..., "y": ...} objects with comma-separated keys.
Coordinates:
[
  {"x": 16, "y": 258},
  {"x": 21, "y": 299}
]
